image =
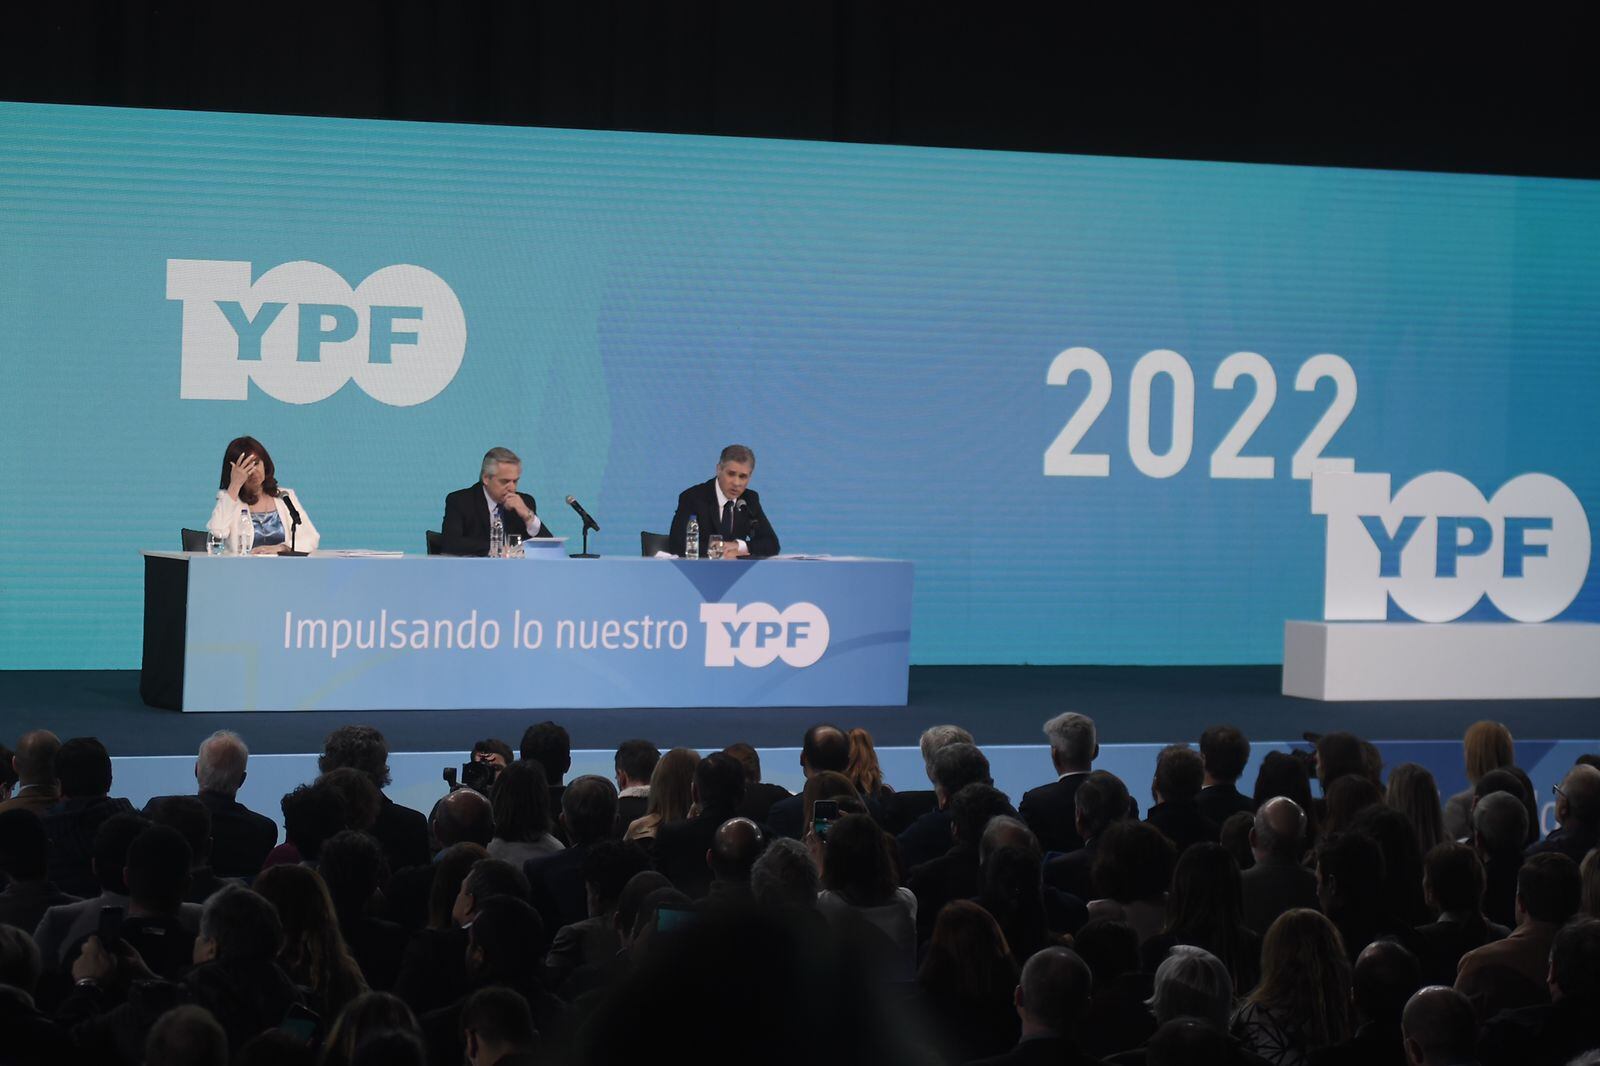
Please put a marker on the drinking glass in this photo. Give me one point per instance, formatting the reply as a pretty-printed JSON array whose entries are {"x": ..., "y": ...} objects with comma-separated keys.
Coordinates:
[
  {"x": 714, "y": 547},
  {"x": 215, "y": 545},
  {"x": 514, "y": 546}
]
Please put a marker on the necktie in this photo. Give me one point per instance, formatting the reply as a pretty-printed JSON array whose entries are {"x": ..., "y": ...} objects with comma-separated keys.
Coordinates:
[{"x": 727, "y": 519}]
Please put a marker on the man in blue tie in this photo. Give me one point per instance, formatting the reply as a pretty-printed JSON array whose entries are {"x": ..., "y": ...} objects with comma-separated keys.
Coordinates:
[
  {"x": 727, "y": 507},
  {"x": 470, "y": 513}
]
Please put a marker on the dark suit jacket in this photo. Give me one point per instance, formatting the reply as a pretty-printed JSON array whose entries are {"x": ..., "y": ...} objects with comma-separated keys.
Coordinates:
[
  {"x": 759, "y": 799},
  {"x": 784, "y": 817},
  {"x": 1444, "y": 942},
  {"x": 749, "y": 523},
  {"x": 23, "y": 903},
  {"x": 925, "y": 839},
  {"x": 1055, "y": 1051},
  {"x": 681, "y": 850},
  {"x": 433, "y": 972},
  {"x": 403, "y": 833},
  {"x": 1183, "y": 823},
  {"x": 953, "y": 875},
  {"x": 1375, "y": 1044},
  {"x": 1220, "y": 801},
  {"x": 70, "y": 826},
  {"x": 1072, "y": 873},
  {"x": 1568, "y": 841},
  {"x": 466, "y": 523},
  {"x": 240, "y": 838},
  {"x": 556, "y": 884},
  {"x": 907, "y": 807},
  {"x": 1051, "y": 812},
  {"x": 1272, "y": 887}
]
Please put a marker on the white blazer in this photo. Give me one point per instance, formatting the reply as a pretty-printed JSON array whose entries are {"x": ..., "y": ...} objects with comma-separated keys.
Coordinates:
[{"x": 226, "y": 515}]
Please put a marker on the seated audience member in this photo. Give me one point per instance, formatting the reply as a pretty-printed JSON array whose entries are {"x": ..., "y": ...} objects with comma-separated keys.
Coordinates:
[
  {"x": 635, "y": 912},
  {"x": 1350, "y": 889},
  {"x": 556, "y": 882},
  {"x": 825, "y": 748},
  {"x": 867, "y": 776},
  {"x": 1205, "y": 909},
  {"x": 1589, "y": 870},
  {"x": 352, "y": 866},
  {"x": 1486, "y": 746},
  {"x": 24, "y": 860},
  {"x": 1031, "y": 915},
  {"x": 311, "y": 814},
  {"x": 189, "y": 817},
  {"x": 157, "y": 876},
  {"x": 1224, "y": 753},
  {"x": 240, "y": 838},
  {"x": 635, "y": 762},
  {"x": 1192, "y": 1042},
  {"x": 366, "y": 1017},
  {"x": 314, "y": 953},
  {"x": 1511, "y": 973},
  {"x": 28, "y": 1037},
  {"x": 593, "y": 941},
  {"x": 1234, "y": 836},
  {"x": 1500, "y": 826},
  {"x": 759, "y": 795},
  {"x": 911, "y": 804},
  {"x": 735, "y": 846},
  {"x": 1341, "y": 754},
  {"x": 1452, "y": 882},
  {"x": 64, "y": 927},
  {"x": 828, "y": 785},
  {"x": 1050, "y": 1001},
  {"x": 401, "y": 831},
  {"x": 1119, "y": 1002},
  {"x": 671, "y": 794},
  {"x": 1277, "y": 882},
  {"x": 1131, "y": 874},
  {"x": 1402, "y": 862},
  {"x": 1386, "y": 975},
  {"x": 955, "y": 766},
  {"x": 858, "y": 878},
  {"x": 549, "y": 745},
  {"x": 1284, "y": 774},
  {"x": 523, "y": 827},
  {"x": 461, "y": 816},
  {"x": 361, "y": 797},
  {"x": 34, "y": 763},
  {"x": 497, "y": 1029},
  {"x": 1303, "y": 999},
  {"x": 784, "y": 877},
  {"x": 1175, "y": 789},
  {"x": 186, "y": 1036},
  {"x": 433, "y": 971},
  {"x": 1569, "y": 1025},
  {"x": 1578, "y": 811},
  {"x": 1345, "y": 798},
  {"x": 681, "y": 846},
  {"x": 1101, "y": 799},
  {"x": 955, "y": 874},
  {"x": 83, "y": 770},
  {"x": 1192, "y": 983},
  {"x": 1413, "y": 792},
  {"x": 1513, "y": 782},
  {"x": 1439, "y": 1028},
  {"x": 965, "y": 985},
  {"x": 1050, "y": 810}
]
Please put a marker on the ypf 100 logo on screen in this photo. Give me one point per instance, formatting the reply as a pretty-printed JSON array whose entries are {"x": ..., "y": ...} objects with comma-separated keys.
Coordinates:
[{"x": 300, "y": 332}]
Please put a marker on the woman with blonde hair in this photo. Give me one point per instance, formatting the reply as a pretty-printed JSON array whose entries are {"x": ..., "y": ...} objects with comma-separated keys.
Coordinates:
[
  {"x": 1413, "y": 793},
  {"x": 671, "y": 793},
  {"x": 365, "y": 1018},
  {"x": 314, "y": 953},
  {"x": 865, "y": 773},
  {"x": 1486, "y": 746},
  {"x": 1303, "y": 1000}
]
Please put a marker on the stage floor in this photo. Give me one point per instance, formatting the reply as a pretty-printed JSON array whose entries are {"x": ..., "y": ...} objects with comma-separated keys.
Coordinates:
[{"x": 1001, "y": 705}]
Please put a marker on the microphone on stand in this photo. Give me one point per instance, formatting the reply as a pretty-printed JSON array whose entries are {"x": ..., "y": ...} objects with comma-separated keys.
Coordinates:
[
  {"x": 588, "y": 524},
  {"x": 294, "y": 524}
]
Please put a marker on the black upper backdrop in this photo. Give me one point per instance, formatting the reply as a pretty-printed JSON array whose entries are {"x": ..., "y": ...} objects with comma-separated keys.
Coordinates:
[{"x": 1502, "y": 88}]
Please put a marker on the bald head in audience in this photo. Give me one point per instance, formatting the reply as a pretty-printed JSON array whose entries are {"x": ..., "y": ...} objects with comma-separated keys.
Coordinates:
[
  {"x": 1439, "y": 1026},
  {"x": 1053, "y": 993},
  {"x": 35, "y": 760},
  {"x": 1279, "y": 831},
  {"x": 465, "y": 816}
]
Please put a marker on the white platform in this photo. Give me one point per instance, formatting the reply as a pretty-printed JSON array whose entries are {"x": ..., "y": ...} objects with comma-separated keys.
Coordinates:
[{"x": 1452, "y": 661}]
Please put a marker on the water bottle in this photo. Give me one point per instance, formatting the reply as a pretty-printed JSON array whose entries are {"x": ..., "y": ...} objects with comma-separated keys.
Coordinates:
[
  {"x": 244, "y": 533},
  {"x": 497, "y": 539},
  {"x": 691, "y": 540}
]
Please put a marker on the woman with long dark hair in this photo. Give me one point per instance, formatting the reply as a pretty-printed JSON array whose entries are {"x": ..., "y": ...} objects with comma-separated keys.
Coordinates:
[
  {"x": 1205, "y": 908},
  {"x": 521, "y": 800},
  {"x": 249, "y": 484},
  {"x": 966, "y": 984},
  {"x": 1303, "y": 1000},
  {"x": 859, "y": 882},
  {"x": 314, "y": 953}
]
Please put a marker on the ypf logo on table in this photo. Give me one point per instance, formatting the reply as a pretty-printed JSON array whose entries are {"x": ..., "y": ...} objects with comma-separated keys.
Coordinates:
[
  {"x": 758, "y": 633},
  {"x": 300, "y": 332},
  {"x": 1438, "y": 546}
]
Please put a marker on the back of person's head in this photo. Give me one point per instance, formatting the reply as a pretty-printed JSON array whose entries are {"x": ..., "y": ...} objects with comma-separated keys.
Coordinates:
[
  {"x": 19, "y": 956},
  {"x": 1192, "y": 983},
  {"x": 157, "y": 870},
  {"x": 719, "y": 781},
  {"x": 549, "y": 745},
  {"x": 1101, "y": 799},
  {"x": 24, "y": 848},
  {"x": 360, "y": 746},
  {"x": 1454, "y": 879},
  {"x": 955, "y": 766},
  {"x": 936, "y": 737},
  {"x": 1549, "y": 887},
  {"x": 588, "y": 808},
  {"x": 462, "y": 816},
  {"x": 973, "y": 807},
  {"x": 1305, "y": 975},
  {"x": 496, "y": 747},
  {"x": 863, "y": 770},
  {"x": 1512, "y": 782},
  {"x": 367, "y": 1016},
  {"x": 109, "y": 851},
  {"x": 1386, "y": 974},
  {"x": 1055, "y": 988},
  {"x": 857, "y": 863},
  {"x": 1180, "y": 773},
  {"x": 353, "y": 867},
  {"x": 1133, "y": 861},
  {"x": 1575, "y": 961},
  {"x": 83, "y": 767},
  {"x": 496, "y": 1018},
  {"x": 186, "y": 1036},
  {"x": 1402, "y": 858},
  {"x": 304, "y": 907},
  {"x": 1340, "y": 754},
  {"x": 1007, "y": 831},
  {"x": 521, "y": 802},
  {"x": 221, "y": 763},
  {"x": 1110, "y": 948},
  {"x": 1487, "y": 746},
  {"x": 1189, "y": 1042},
  {"x": 1351, "y": 870},
  {"x": 1234, "y": 835},
  {"x": 394, "y": 1048},
  {"x": 1439, "y": 1026},
  {"x": 242, "y": 924},
  {"x": 1279, "y": 829},
  {"x": 748, "y": 758},
  {"x": 504, "y": 939},
  {"x": 1346, "y": 797},
  {"x": 1073, "y": 742},
  {"x": 362, "y": 799},
  {"x": 829, "y": 785},
  {"x": 968, "y": 956},
  {"x": 735, "y": 846},
  {"x": 491, "y": 878},
  {"x": 1500, "y": 822},
  {"x": 1283, "y": 774},
  {"x": 608, "y": 867},
  {"x": 785, "y": 876},
  {"x": 189, "y": 817},
  {"x": 672, "y": 785},
  {"x": 639, "y": 888},
  {"x": 1413, "y": 792},
  {"x": 1225, "y": 750},
  {"x": 36, "y": 757},
  {"x": 636, "y": 759},
  {"x": 825, "y": 747},
  {"x": 1581, "y": 788},
  {"x": 311, "y": 814},
  {"x": 450, "y": 868},
  {"x": 1206, "y": 896}
]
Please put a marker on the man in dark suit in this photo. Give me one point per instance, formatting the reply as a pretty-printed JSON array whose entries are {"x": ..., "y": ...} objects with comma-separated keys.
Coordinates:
[
  {"x": 1277, "y": 882},
  {"x": 1179, "y": 773},
  {"x": 681, "y": 846},
  {"x": 1048, "y": 809},
  {"x": 469, "y": 513},
  {"x": 240, "y": 838},
  {"x": 1224, "y": 750},
  {"x": 824, "y": 747},
  {"x": 759, "y": 795},
  {"x": 956, "y": 874},
  {"x": 1499, "y": 828},
  {"x": 955, "y": 766},
  {"x": 24, "y": 853},
  {"x": 1051, "y": 999},
  {"x": 728, "y": 508},
  {"x": 402, "y": 832},
  {"x": 83, "y": 767},
  {"x": 588, "y": 809},
  {"x": 1101, "y": 800}
]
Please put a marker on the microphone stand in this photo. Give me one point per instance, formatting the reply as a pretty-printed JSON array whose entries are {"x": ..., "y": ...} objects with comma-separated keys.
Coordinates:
[
  {"x": 294, "y": 527},
  {"x": 585, "y": 554}
]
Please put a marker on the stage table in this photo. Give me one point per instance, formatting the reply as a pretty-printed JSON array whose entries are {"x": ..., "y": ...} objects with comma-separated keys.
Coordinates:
[{"x": 335, "y": 632}]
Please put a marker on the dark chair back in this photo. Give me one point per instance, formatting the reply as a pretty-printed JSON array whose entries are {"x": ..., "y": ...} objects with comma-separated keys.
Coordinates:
[
  {"x": 435, "y": 542},
  {"x": 194, "y": 540},
  {"x": 650, "y": 543}
]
